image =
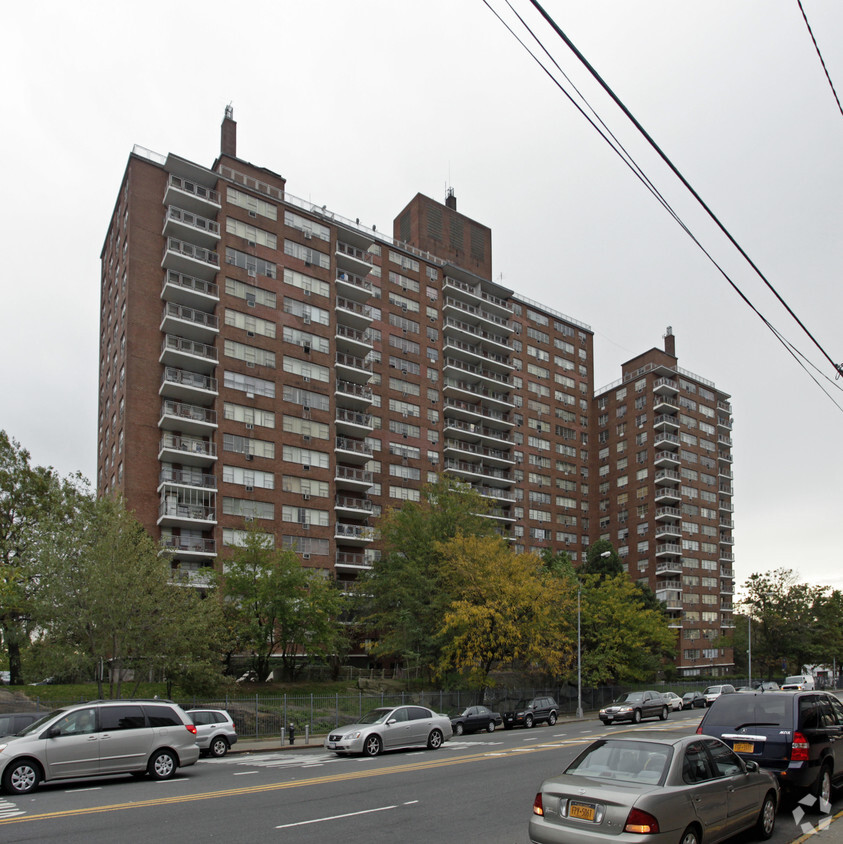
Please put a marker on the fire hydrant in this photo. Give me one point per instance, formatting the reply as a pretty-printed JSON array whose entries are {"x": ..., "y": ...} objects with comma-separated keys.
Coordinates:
[{"x": 291, "y": 732}]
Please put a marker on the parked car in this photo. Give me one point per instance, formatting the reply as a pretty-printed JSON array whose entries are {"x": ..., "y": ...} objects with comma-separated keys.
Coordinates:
[
  {"x": 528, "y": 713},
  {"x": 390, "y": 728},
  {"x": 475, "y": 718},
  {"x": 688, "y": 790},
  {"x": 633, "y": 706},
  {"x": 798, "y": 683},
  {"x": 14, "y": 722},
  {"x": 99, "y": 737},
  {"x": 693, "y": 700},
  {"x": 673, "y": 700},
  {"x": 215, "y": 731},
  {"x": 714, "y": 692},
  {"x": 794, "y": 735}
]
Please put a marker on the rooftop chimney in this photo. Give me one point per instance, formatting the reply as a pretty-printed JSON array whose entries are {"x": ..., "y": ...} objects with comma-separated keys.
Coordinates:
[
  {"x": 451, "y": 200},
  {"x": 228, "y": 133},
  {"x": 670, "y": 342}
]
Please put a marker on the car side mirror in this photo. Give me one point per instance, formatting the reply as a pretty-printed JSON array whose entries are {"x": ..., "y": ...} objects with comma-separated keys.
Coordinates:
[
  {"x": 391, "y": 721},
  {"x": 53, "y": 732},
  {"x": 751, "y": 766}
]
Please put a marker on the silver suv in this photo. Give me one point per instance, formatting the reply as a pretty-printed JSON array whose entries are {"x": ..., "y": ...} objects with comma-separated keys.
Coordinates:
[
  {"x": 215, "y": 731},
  {"x": 99, "y": 737}
]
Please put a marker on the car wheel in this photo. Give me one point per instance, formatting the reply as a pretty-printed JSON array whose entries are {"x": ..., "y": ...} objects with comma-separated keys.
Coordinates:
[
  {"x": 822, "y": 790},
  {"x": 636, "y": 716},
  {"x": 490, "y": 727},
  {"x": 528, "y": 721},
  {"x": 218, "y": 747},
  {"x": 663, "y": 714},
  {"x": 551, "y": 719},
  {"x": 766, "y": 818},
  {"x": 690, "y": 836},
  {"x": 21, "y": 777},
  {"x": 373, "y": 746},
  {"x": 458, "y": 729},
  {"x": 434, "y": 740},
  {"x": 162, "y": 765}
]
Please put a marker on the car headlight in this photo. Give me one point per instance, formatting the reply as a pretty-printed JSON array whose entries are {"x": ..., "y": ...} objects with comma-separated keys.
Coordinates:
[
  {"x": 3, "y": 747},
  {"x": 355, "y": 735},
  {"x": 625, "y": 709}
]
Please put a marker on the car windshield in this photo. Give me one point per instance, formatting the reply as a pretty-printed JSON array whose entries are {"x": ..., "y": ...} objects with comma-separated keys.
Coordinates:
[
  {"x": 630, "y": 697},
  {"x": 639, "y": 761},
  {"x": 792, "y": 681},
  {"x": 376, "y": 716},
  {"x": 713, "y": 690},
  {"x": 36, "y": 725}
]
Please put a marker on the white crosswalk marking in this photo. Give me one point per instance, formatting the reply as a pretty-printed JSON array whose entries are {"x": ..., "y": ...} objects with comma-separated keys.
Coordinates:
[{"x": 9, "y": 810}]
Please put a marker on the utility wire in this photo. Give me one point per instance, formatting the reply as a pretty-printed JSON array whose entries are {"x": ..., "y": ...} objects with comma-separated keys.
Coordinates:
[
  {"x": 837, "y": 367},
  {"x": 619, "y": 150},
  {"x": 820, "y": 55}
]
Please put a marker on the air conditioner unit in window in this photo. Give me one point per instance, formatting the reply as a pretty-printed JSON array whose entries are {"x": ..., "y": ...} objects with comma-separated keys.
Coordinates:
[
  {"x": 305, "y": 556},
  {"x": 306, "y": 349},
  {"x": 306, "y": 496},
  {"x": 250, "y": 426},
  {"x": 249, "y": 489},
  {"x": 252, "y": 273},
  {"x": 306, "y": 467},
  {"x": 251, "y": 243},
  {"x": 250, "y": 364},
  {"x": 250, "y": 333},
  {"x": 306, "y": 320},
  {"x": 306, "y": 407},
  {"x": 306, "y": 292},
  {"x": 250, "y": 395},
  {"x": 305, "y": 525},
  {"x": 307, "y": 235},
  {"x": 305, "y": 378},
  {"x": 250, "y": 457},
  {"x": 306, "y": 437},
  {"x": 253, "y": 213}
]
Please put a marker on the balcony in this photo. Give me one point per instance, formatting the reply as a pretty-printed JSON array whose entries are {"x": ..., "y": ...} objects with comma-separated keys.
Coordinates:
[
  {"x": 352, "y": 506},
  {"x": 358, "y": 341},
  {"x": 351, "y": 477},
  {"x": 665, "y": 422},
  {"x": 351, "y": 560},
  {"x": 354, "y": 259},
  {"x": 726, "y": 522},
  {"x": 353, "y": 368},
  {"x": 181, "y": 352},
  {"x": 724, "y": 572},
  {"x": 352, "y": 313},
  {"x": 726, "y": 406},
  {"x": 198, "y": 578},
  {"x": 666, "y": 458},
  {"x": 726, "y": 506},
  {"x": 186, "y": 386},
  {"x": 464, "y": 468},
  {"x": 188, "y": 259},
  {"x": 726, "y": 539},
  {"x": 353, "y": 422},
  {"x": 494, "y": 456},
  {"x": 185, "y": 477},
  {"x": 665, "y": 387},
  {"x": 475, "y": 353},
  {"x": 474, "y": 313},
  {"x": 726, "y": 489},
  {"x": 668, "y": 548},
  {"x": 665, "y": 404},
  {"x": 187, "y": 418},
  {"x": 725, "y": 441},
  {"x": 350, "y": 534},
  {"x": 724, "y": 456},
  {"x": 189, "y": 323},
  {"x": 172, "y": 511},
  {"x": 498, "y": 342},
  {"x": 724, "y": 422},
  {"x": 466, "y": 410},
  {"x": 727, "y": 588},
  {"x": 198, "y": 230},
  {"x": 353, "y": 286},
  {"x": 190, "y": 291},
  {"x": 668, "y": 513},
  {"x": 666, "y": 530},
  {"x": 666, "y": 494},
  {"x": 727, "y": 557},
  {"x": 191, "y": 195},
  {"x": 499, "y": 513},
  {"x": 664, "y": 440},
  {"x": 352, "y": 451},
  {"x": 452, "y": 385},
  {"x": 458, "y": 368},
  {"x": 667, "y": 476},
  {"x": 189, "y": 546},
  {"x": 473, "y": 431},
  {"x": 474, "y": 292},
  {"x": 187, "y": 451},
  {"x": 668, "y": 568}
]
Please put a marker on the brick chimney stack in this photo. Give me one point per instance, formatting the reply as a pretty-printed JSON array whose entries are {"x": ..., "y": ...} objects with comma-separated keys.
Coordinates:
[
  {"x": 228, "y": 133},
  {"x": 670, "y": 342}
]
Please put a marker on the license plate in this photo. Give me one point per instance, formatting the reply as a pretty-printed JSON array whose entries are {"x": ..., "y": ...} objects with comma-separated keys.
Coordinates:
[
  {"x": 743, "y": 747},
  {"x": 582, "y": 811}
]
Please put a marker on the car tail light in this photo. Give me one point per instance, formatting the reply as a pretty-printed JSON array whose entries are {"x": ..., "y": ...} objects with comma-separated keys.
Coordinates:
[
  {"x": 538, "y": 809},
  {"x": 799, "y": 750},
  {"x": 191, "y": 728},
  {"x": 699, "y": 730},
  {"x": 641, "y": 822}
]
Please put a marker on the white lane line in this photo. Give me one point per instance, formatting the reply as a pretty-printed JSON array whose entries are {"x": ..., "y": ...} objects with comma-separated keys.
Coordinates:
[
  {"x": 175, "y": 779},
  {"x": 337, "y": 817},
  {"x": 78, "y": 790},
  {"x": 244, "y": 773}
]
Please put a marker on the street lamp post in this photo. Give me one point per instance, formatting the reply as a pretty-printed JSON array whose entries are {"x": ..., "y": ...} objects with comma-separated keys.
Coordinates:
[
  {"x": 749, "y": 649},
  {"x": 579, "y": 654}
]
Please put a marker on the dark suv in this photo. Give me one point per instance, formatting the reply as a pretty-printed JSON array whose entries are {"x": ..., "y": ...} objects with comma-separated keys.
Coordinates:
[
  {"x": 798, "y": 736},
  {"x": 528, "y": 713}
]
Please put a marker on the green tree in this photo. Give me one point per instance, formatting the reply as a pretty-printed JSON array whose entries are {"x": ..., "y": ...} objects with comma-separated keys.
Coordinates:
[
  {"x": 106, "y": 602},
  {"x": 503, "y": 614},
  {"x": 31, "y": 497},
  {"x": 623, "y": 640},
  {"x": 602, "y": 559},
  {"x": 404, "y": 597},
  {"x": 280, "y": 609}
]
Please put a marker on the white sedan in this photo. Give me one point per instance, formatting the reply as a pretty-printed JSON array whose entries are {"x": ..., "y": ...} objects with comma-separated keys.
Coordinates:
[{"x": 673, "y": 701}]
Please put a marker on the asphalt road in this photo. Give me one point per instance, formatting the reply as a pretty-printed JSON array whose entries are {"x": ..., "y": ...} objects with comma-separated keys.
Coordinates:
[{"x": 475, "y": 788}]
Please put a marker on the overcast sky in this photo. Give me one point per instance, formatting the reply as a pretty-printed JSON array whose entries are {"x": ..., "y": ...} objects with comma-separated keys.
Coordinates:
[{"x": 361, "y": 104}]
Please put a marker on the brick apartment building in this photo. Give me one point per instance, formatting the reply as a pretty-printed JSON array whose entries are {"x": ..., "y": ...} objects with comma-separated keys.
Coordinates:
[{"x": 263, "y": 357}]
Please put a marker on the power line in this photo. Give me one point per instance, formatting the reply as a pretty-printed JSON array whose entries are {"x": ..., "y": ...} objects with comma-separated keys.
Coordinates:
[
  {"x": 837, "y": 367},
  {"x": 820, "y": 55}
]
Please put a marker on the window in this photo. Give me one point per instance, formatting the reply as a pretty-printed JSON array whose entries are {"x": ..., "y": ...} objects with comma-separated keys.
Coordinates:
[
  {"x": 306, "y": 283},
  {"x": 310, "y": 256},
  {"x": 251, "y": 233}
]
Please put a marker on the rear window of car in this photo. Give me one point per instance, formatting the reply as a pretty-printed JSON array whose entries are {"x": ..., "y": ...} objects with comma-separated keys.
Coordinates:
[
  {"x": 162, "y": 716},
  {"x": 121, "y": 718},
  {"x": 759, "y": 709},
  {"x": 639, "y": 762}
]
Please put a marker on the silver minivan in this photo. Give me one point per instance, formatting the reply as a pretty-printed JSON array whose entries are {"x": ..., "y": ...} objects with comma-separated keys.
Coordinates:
[{"x": 152, "y": 737}]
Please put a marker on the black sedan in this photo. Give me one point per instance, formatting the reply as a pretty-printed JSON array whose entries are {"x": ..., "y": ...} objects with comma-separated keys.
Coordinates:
[
  {"x": 693, "y": 700},
  {"x": 475, "y": 718}
]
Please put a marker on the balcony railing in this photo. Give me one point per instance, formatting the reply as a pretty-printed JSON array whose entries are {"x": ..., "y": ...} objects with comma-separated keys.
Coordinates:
[
  {"x": 198, "y": 253},
  {"x": 179, "y": 510},
  {"x": 451, "y": 322},
  {"x": 182, "y": 312},
  {"x": 474, "y": 448},
  {"x": 478, "y": 469},
  {"x": 189, "y": 282},
  {"x": 477, "y": 390},
  {"x": 196, "y": 545},
  {"x": 477, "y": 429},
  {"x": 200, "y": 191},
  {"x": 189, "y": 411},
  {"x": 354, "y": 531},
  {"x": 354, "y": 418},
  {"x": 188, "y": 218},
  {"x": 357, "y": 446},
  {"x": 351, "y": 305},
  {"x": 354, "y": 252},
  {"x": 478, "y": 409},
  {"x": 186, "y": 478},
  {"x": 353, "y": 503},
  {"x": 347, "y": 473},
  {"x": 352, "y": 278},
  {"x": 189, "y": 379},
  {"x": 353, "y": 361},
  {"x": 173, "y": 343},
  {"x": 354, "y": 334},
  {"x": 188, "y": 444},
  {"x": 477, "y": 370},
  {"x": 479, "y": 312},
  {"x": 477, "y": 350},
  {"x": 350, "y": 558}
]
